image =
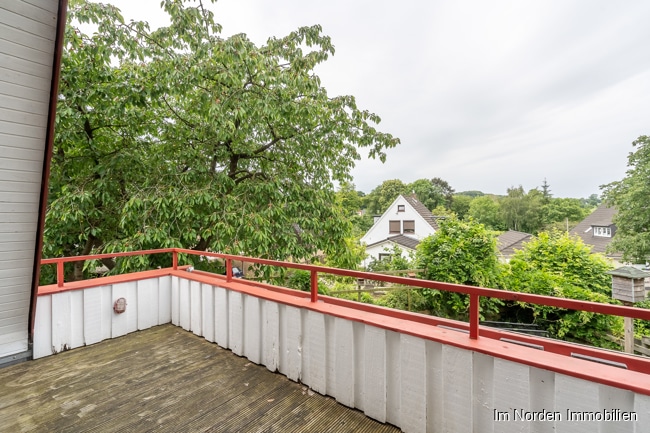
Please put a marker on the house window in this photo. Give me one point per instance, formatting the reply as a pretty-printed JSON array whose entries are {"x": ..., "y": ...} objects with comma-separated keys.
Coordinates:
[
  {"x": 384, "y": 256},
  {"x": 409, "y": 226},
  {"x": 394, "y": 227},
  {"x": 400, "y": 208},
  {"x": 604, "y": 232}
]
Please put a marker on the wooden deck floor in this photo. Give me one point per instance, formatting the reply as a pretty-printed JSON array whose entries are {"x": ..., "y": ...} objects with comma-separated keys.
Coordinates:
[{"x": 164, "y": 379}]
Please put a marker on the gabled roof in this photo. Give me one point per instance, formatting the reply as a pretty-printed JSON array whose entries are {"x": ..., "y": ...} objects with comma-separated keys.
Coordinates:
[
  {"x": 426, "y": 223},
  {"x": 601, "y": 217},
  {"x": 422, "y": 210},
  {"x": 512, "y": 240},
  {"x": 401, "y": 240}
]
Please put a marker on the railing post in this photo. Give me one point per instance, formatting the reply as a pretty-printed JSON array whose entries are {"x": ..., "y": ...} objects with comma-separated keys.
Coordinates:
[
  {"x": 229, "y": 270},
  {"x": 314, "y": 286},
  {"x": 473, "y": 316},
  {"x": 59, "y": 273},
  {"x": 175, "y": 260}
]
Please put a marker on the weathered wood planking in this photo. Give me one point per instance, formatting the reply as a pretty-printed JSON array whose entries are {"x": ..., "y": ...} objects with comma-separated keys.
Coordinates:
[{"x": 168, "y": 380}]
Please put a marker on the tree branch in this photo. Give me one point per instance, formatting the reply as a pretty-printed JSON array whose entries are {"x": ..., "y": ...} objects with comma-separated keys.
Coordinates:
[
  {"x": 78, "y": 267},
  {"x": 250, "y": 175},
  {"x": 186, "y": 122}
]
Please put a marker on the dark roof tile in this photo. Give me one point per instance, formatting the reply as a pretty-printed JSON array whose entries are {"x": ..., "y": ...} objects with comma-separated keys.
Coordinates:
[
  {"x": 423, "y": 211},
  {"x": 404, "y": 241},
  {"x": 512, "y": 240},
  {"x": 601, "y": 217}
]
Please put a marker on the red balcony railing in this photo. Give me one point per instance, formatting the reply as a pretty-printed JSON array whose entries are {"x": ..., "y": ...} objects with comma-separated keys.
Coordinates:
[{"x": 475, "y": 293}]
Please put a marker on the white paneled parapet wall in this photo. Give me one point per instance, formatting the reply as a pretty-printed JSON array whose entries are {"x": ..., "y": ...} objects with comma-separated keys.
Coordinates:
[
  {"x": 414, "y": 383},
  {"x": 419, "y": 377},
  {"x": 74, "y": 318}
]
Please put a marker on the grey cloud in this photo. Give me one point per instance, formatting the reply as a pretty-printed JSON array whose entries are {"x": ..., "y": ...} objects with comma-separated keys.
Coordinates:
[{"x": 483, "y": 94}]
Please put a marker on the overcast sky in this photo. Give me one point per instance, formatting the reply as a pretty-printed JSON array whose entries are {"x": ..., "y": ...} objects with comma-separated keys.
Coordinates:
[{"x": 484, "y": 94}]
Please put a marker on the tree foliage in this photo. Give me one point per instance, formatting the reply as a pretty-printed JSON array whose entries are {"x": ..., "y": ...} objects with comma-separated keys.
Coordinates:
[
  {"x": 461, "y": 252},
  {"x": 487, "y": 210},
  {"x": 630, "y": 197},
  {"x": 427, "y": 193},
  {"x": 460, "y": 205},
  {"x": 349, "y": 199},
  {"x": 431, "y": 193},
  {"x": 557, "y": 264},
  {"x": 180, "y": 137},
  {"x": 351, "y": 203},
  {"x": 378, "y": 200},
  {"x": 397, "y": 261},
  {"x": 591, "y": 202},
  {"x": 560, "y": 210},
  {"x": 566, "y": 256},
  {"x": 523, "y": 211},
  {"x": 443, "y": 188},
  {"x": 472, "y": 193},
  {"x": 551, "y": 264}
]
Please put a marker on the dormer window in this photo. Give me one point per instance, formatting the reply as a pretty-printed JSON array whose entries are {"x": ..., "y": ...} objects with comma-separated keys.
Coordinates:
[
  {"x": 603, "y": 232},
  {"x": 400, "y": 208}
]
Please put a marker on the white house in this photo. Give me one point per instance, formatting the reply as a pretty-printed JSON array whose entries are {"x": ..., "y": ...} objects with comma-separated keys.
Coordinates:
[{"x": 405, "y": 223}]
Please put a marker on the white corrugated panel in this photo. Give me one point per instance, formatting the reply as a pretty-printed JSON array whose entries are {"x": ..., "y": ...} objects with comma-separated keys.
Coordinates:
[{"x": 27, "y": 35}]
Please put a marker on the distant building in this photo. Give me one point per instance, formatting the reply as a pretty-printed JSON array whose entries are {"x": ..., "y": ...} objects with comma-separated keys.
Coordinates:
[
  {"x": 405, "y": 223},
  {"x": 511, "y": 241},
  {"x": 597, "y": 231}
]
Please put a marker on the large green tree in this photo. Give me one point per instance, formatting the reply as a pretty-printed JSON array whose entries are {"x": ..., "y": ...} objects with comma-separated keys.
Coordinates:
[
  {"x": 523, "y": 211},
  {"x": 557, "y": 264},
  {"x": 432, "y": 193},
  {"x": 513, "y": 207},
  {"x": 460, "y": 205},
  {"x": 487, "y": 210},
  {"x": 378, "y": 200},
  {"x": 351, "y": 203},
  {"x": 630, "y": 198},
  {"x": 103, "y": 119},
  {"x": 180, "y": 137},
  {"x": 350, "y": 200},
  {"x": 461, "y": 252},
  {"x": 565, "y": 211},
  {"x": 427, "y": 193},
  {"x": 445, "y": 189}
]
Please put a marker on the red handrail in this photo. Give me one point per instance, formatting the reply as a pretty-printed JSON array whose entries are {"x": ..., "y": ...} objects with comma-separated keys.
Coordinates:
[
  {"x": 474, "y": 292},
  {"x": 571, "y": 304},
  {"x": 59, "y": 261},
  {"x": 108, "y": 255}
]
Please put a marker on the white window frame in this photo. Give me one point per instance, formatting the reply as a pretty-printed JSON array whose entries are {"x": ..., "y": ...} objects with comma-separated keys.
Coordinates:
[{"x": 602, "y": 232}]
